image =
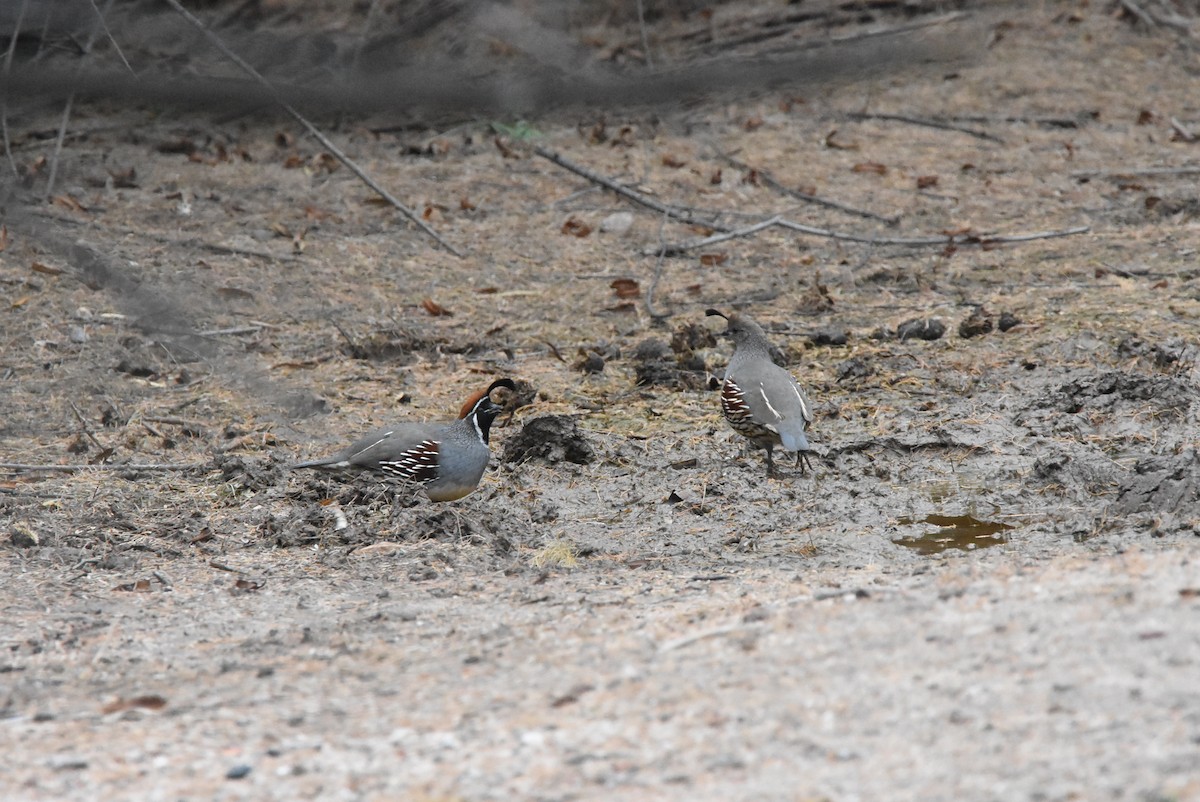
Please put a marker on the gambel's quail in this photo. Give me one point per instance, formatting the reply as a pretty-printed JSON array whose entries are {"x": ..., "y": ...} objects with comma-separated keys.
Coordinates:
[
  {"x": 761, "y": 400},
  {"x": 448, "y": 459}
]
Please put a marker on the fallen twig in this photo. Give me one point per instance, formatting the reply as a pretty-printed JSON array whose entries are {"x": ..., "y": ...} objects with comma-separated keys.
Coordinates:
[
  {"x": 690, "y": 245},
  {"x": 21, "y": 467},
  {"x": 674, "y": 212},
  {"x": 1129, "y": 172},
  {"x": 312, "y": 129},
  {"x": 804, "y": 196},
  {"x": 943, "y": 239},
  {"x": 928, "y": 122},
  {"x": 675, "y": 249}
]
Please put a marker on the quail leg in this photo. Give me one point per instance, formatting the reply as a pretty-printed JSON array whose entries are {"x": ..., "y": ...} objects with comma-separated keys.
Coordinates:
[
  {"x": 803, "y": 462},
  {"x": 770, "y": 462}
]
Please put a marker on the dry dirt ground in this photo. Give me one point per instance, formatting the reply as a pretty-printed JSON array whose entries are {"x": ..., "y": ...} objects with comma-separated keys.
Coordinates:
[{"x": 988, "y": 588}]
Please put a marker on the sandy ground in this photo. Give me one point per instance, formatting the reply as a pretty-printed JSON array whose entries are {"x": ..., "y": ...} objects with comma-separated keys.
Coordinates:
[{"x": 986, "y": 589}]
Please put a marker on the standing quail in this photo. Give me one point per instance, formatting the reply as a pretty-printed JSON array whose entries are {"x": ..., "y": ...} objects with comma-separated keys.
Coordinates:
[
  {"x": 448, "y": 459},
  {"x": 761, "y": 400}
]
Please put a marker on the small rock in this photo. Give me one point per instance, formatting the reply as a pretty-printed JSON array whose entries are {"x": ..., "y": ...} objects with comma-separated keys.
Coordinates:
[
  {"x": 552, "y": 438},
  {"x": 651, "y": 349},
  {"x": 22, "y": 536},
  {"x": 855, "y": 368},
  {"x": 883, "y": 334},
  {"x": 617, "y": 222},
  {"x": 977, "y": 323},
  {"x": 78, "y": 335},
  {"x": 590, "y": 362},
  {"x": 83, "y": 313},
  {"x": 834, "y": 335},
  {"x": 238, "y": 772},
  {"x": 1007, "y": 321},
  {"x": 921, "y": 329}
]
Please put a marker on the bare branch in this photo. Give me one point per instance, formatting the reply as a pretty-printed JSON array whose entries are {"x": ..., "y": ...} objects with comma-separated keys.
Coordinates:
[{"x": 312, "y": 129}]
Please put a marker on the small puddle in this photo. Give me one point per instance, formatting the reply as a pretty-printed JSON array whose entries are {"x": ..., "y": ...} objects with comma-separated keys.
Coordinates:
[{"x": 964, "y": 532}]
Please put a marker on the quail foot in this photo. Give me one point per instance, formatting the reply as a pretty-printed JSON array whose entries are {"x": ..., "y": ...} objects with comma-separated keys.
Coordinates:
[
  {"x": 759, "y": 399},
  {"x": 447, "y": 459}
]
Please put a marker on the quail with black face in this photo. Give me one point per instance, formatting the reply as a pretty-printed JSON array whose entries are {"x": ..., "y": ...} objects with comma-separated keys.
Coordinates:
[
  {"x": 447, "y": 459},
  {"x": 759, "y": 399}
]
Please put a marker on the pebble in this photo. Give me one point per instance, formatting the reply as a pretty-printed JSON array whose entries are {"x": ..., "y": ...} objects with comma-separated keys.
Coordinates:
[
  {"x": 238, "y": 772},
  {"x": 921, "y": 329},
  {"x": 617, "y": 222},
  {"x": 78, "y": 335}
]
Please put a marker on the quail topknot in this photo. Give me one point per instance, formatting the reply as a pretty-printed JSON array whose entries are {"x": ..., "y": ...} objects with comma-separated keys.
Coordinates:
[
  {"x": 759, "y": 399},
  {"x": 447, "y": 459}
]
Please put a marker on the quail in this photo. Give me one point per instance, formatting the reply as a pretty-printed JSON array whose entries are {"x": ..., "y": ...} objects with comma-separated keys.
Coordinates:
[
  {"x": 759, "y": 399},
  {"x": 448, "y": 459}
]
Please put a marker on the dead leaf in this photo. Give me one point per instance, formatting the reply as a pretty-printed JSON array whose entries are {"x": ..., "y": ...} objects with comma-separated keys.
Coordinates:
[
  {"x": 241, "y": 586},
  {"x": 713, "y": 259},
  {"x": 435, "y": 309},
  {"x": 669, "y": 160},
  {"x": 383, "y": 547},
  {"x": 833, "y": 144},
  {"x": 124, "y": 179},
  {"x": 68, "y": 202},
  {"x": 140, "y": 586},
  {"x": 870, "y": 167},
  {"x": 1145, "y": 117},
  {"x": 465, "y": 204},
  {"x": 626, "y": 288},
  {"x": 325, "y": 162},
  {"x": 505, "y": 151},
  {"x": 753, "y": 178},
  {"x": 753, "y": 123},
  {"x": 715, "y": 178},
  {"x": 293, "y": 162},
  {"x": 17, "y": 304},
  {"x": 284, "y": 140},
  {"x": 576, "y": 227},
  {"x": 148, "y": 702},
  {"x": 182, "y": 145},
  {"x": 926, "y": 181},
  {"x": 488, "y": 290},
  {"x": 1161, "y": 284},
  {"x": 38, "y": 267}
]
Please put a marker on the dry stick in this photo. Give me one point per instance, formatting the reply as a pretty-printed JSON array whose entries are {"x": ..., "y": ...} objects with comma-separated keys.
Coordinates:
[
  {"x": 312, "y": 129},
  {"x": 658, "y": 266},
  {"x": 1136, "y": 10},
  {"x": 943, "y": 239},
  {"x": 87, "y": 430},
  {"x": 1190, "y": 169},
  {"x": 674, "y": 212},
  {"x": 52, "y": 175},
  {"x": 641, "y": 11},
  {"x": 108, "y": 466},
  {"x": 804, "y": 196},
  {"x": 690, "y": 245},
  {"x": 928, "y": 122},
  {"x": 8, "y": 60}
]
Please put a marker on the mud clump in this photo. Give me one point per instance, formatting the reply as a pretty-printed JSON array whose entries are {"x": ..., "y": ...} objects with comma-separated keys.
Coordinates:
[
  {"x": 978, "y": 323},
  {"x": 1161, "y": 484},
  {"x": 552, "y": 439},
  {"x": 249, "y": 474},
  {"x": 661, "y": 365},
  {"x": 921, "y": 329},
  {"x": 1106, "y": 390}
]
